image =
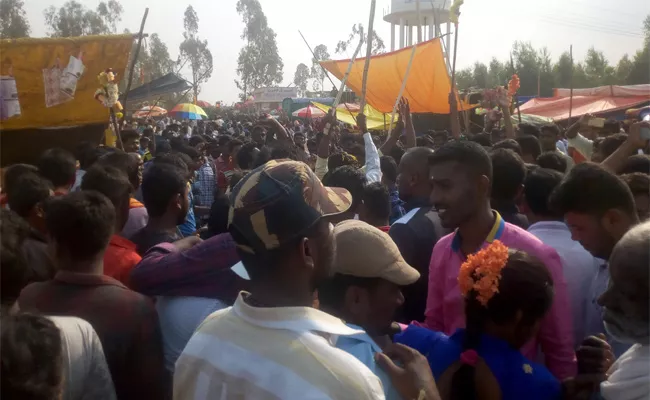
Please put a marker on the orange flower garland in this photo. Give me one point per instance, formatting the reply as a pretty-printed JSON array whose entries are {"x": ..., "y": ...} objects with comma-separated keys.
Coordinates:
[{"x": 482, "y": 272}]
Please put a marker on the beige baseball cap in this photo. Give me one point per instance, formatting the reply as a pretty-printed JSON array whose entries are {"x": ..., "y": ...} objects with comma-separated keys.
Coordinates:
[{"x": 366, "y": 252}]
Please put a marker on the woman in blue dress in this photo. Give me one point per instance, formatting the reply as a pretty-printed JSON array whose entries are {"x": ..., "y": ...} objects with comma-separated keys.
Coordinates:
[{"x": 507, "y": 293}]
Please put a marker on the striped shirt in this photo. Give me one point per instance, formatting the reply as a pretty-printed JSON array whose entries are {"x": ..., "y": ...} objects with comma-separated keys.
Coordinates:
[{"x": 245, "y": 352}]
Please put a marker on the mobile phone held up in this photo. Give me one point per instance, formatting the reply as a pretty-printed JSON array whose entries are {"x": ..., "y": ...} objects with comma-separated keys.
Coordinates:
[{"x": 596, "y": 122}]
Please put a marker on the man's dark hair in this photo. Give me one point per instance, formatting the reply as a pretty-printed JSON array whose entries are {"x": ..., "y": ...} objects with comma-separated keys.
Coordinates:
[
  {"x": 508, "y": 174},
  {"x": 58, "y": 166},
  {"x": 223, "y": 139},
  {"x": 13, "y": 172},
  {"x": 636, "y": 163},
  {"x": 109, "y": 181},
  {"x": 552, "y": 128},
  {"x": 331, "y": 294},
  {"x": 611, "y": 143},
  {"x": 84, "y": 152},
  {"x": 340, "y": 159},
  {"x": 15, "y": 273},
  {"x": 538, "y": 187},
  {"x": 160, "y": 184},
  {"x": 396, "y": 152},
  {"x": 530, "y": 145},
  {"x": 638, "y": 183},
  {"x": 246, "y": 156},
  {"x": 510, "y": 144},
  {"x": 234, "y": 143},
  {"x": 388, "y": 168},
  {"x": 376, "y": 201},
  {"x": 424, "y": 141},
  {"x": 350, "y": 178},
  {"x": 80, "y": 222},
  {"x": 468, "y": 154},
  {"x": 190, "y": 152},
  {"x": 529, "y": 129},
  {"x": 32, "y": 357},
  {"x": 484, "y": 139},
  {"x": 128, "y": 135},
  {"x": 196, "y": 140},
  {"x": 125, "y": 162},
  {"x": 162, "y": 146},
  {"x": 29, "y": 191},
  {"x": 173, "y": 159},
  {"x": 440, "y": 134},
  {"x": 612, "y": 126},
  {"x": 552, "y": 160},
  {"x": 591, "y": 189}
]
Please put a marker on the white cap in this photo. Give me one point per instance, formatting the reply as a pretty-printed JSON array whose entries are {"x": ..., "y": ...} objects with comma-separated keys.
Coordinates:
[{"x": 240, "y": 270}]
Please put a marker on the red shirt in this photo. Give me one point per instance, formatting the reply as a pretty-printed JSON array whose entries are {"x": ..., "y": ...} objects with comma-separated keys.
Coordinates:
[
  {"x": 133, "y": 203},
  {"x": 120, "y": 258},
  {"x": 224, "y": 172},
  {"x": 384, "y": 228}
]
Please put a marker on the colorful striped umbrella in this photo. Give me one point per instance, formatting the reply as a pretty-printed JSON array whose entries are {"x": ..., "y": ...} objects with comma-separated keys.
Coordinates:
[
  {"x": 149, "y": 111},
  {"x": 187, "y": 111},
  {"x": 309, "y": 112}
]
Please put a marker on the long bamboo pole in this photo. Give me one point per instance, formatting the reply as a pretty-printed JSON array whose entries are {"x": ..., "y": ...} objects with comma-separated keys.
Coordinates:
[
  {"x": 453, "y": 108},
  {"x": 135, "y": 58},
  {"x": 323, "y": 68},
  {"x": 366, "y": 67}
]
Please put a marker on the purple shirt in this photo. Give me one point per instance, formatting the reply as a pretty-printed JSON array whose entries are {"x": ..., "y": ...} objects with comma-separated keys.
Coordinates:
[
  {"x": 201, "y": 271},
  {"x": 445, "y": 304}
]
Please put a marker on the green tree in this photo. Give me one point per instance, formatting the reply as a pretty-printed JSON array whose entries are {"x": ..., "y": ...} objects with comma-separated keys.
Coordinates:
[
  {"x": 597, "y": 68},
  {"x": 480, "y": 75},
  {"x": 195, "y": 52},
  {"x": 623, "y": 69},
  {"x": 320, "y": 54},
  {"x": 300, "y": 78},
  {"x": 640, "y": 72},
  {"x": 498, "y": 73},
  {"x": 526, "y": 62},
  {"x": 357, "y": 33},
  {"x": 74, "y": 19},
  {"x": 259, "y": 63},
  {"x": 545, "y": 76},
  {"x": 465, "y": 78},
  {"x": 13, "y": 19},
  {"x": 580, "y": 79},
  {"x": 562, "y": 71}
]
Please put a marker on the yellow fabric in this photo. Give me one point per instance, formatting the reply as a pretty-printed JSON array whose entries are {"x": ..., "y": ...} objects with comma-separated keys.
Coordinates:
[
  {"x": 374, "y": 118},
  {"x": 427, "y": 88},
  {"x": 28, "y": 58}
]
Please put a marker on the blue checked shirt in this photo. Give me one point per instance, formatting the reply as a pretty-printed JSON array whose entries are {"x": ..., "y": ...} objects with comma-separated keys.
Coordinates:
[{"x": 205, "y": 185}]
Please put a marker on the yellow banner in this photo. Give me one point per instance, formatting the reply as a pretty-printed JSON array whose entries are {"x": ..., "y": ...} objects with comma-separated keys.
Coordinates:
[
  {"x": 374, "y": 119},
  {"x": 51, "y": 82}
]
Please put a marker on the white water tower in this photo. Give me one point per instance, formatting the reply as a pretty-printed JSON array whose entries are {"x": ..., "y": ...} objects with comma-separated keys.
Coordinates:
[{"x": 403, "y": 14}]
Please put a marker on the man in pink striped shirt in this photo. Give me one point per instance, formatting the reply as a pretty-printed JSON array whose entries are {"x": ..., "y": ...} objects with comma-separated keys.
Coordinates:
[{"x": 461, "y": 174}]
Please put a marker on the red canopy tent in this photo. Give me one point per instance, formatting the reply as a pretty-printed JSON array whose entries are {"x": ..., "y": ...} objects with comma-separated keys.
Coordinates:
[{"x": 587, "y": 101}]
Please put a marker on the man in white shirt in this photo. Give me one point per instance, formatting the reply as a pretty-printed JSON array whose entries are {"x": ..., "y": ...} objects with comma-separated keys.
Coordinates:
[
  {"x": 627, "y": 315},
  {"x": 578, "y": 265},
  {"x": 272, "y": 344}
]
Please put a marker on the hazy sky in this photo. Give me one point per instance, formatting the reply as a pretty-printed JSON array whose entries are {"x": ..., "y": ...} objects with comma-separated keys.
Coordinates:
[{"x": 488, "y": 28}]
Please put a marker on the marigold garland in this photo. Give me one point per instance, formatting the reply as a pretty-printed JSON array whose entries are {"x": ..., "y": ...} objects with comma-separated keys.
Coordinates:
[{"x": 482, "y": 272}]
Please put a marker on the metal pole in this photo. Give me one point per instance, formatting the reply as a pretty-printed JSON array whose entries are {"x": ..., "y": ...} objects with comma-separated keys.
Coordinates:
[
  {"x": 135, "y": 59},
  {"x": 364, "y": 82}
]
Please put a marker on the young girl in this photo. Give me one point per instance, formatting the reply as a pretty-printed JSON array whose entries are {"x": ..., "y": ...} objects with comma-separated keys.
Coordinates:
[{"x": 507, "y": 293}]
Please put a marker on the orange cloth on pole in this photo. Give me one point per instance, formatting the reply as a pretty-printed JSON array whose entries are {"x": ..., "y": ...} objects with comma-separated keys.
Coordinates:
[{"x": 427, "y": 87}]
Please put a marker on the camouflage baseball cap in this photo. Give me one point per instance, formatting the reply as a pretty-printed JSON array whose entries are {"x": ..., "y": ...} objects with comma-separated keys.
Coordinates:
[{"x": 279, "y": 201}]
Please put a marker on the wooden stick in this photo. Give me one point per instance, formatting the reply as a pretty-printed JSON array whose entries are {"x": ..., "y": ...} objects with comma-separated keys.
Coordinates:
[
  {"x": 570, "y": 86},
  {"x": 117, "y": 129},
  {"x": 453, "y": 110},
  {"x": 135, "y": 59},
  {"x": 364, "y": 82},
  {"x": 327, "y": 127},
  {"x": 401, "y": 89}
]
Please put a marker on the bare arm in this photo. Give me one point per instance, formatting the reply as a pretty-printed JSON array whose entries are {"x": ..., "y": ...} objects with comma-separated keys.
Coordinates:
[
  {"x": 634, "y": 142},
  {"x": 405, "y": 110},
  {"x": 393, "y": 137}
]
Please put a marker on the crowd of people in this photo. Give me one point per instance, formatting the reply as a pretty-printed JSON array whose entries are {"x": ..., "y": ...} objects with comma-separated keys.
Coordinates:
[{"x": 258, "y": 258}]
